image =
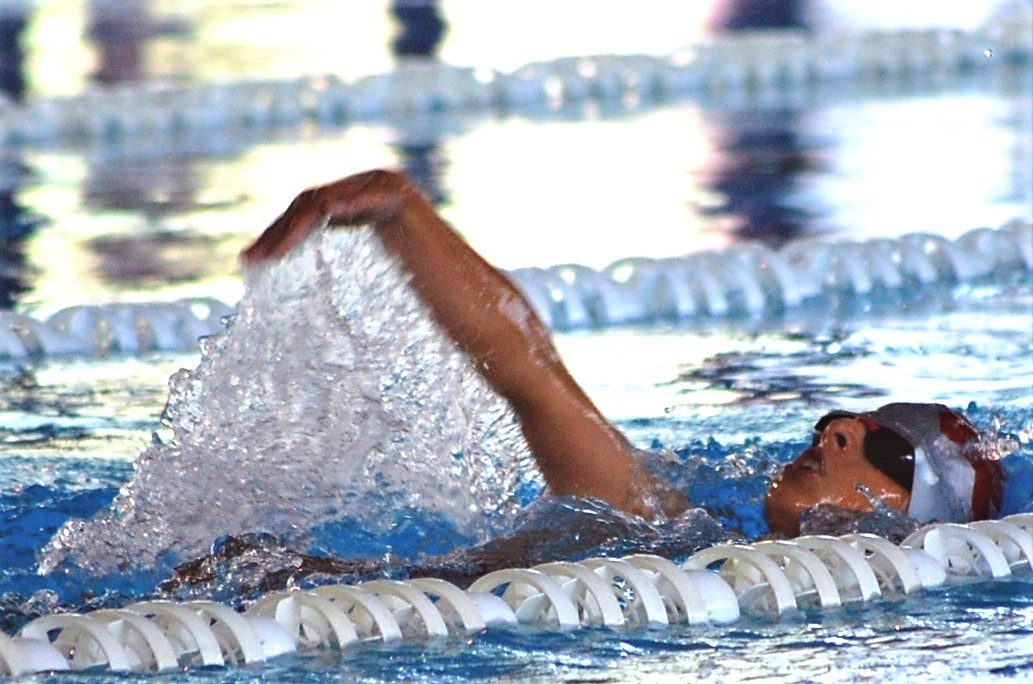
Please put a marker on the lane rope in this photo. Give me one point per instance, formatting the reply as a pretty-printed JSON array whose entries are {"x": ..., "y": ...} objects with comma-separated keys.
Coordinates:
[
  {"x": 717, "y": 585},
  {"x": 750, "y": 281},
  {"x": 148, "y": 118}
]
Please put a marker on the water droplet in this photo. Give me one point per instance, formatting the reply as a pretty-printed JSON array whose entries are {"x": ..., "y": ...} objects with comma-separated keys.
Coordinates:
[{"x": 988, "y": 52}]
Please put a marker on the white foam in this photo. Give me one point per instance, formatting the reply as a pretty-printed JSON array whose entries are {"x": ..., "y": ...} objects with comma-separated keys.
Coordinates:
[{"x": 332, "y": 395}]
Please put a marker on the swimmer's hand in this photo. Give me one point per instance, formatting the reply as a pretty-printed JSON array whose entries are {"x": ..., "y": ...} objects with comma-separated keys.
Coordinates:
[{"x": 371, "y": 198}]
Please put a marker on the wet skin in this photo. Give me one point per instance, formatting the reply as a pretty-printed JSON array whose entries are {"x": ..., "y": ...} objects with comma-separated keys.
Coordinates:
[
  {"x": 577, "y": 450},
  {"x": 829, "y": 473}
]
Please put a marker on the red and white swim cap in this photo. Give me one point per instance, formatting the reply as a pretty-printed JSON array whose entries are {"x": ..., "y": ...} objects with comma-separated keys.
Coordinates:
[{"x": 955, "y": 478}]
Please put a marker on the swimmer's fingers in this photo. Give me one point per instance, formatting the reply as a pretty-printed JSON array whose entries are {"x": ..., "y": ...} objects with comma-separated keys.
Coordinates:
[
  {"x": 292, "y": 226},
  {"x": 370, "y": 198}
]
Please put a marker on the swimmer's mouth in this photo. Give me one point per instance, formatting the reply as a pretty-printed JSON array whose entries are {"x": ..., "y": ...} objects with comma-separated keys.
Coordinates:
[{"x": 811, "y": 463}]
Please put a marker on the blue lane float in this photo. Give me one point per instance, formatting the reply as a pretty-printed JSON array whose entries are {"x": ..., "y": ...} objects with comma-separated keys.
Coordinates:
[
  {"x": 752, "y": 280},
  {"x": 746, "y": 281},
  {"x": 770, "y": 579},
  {"x": 750, "y": 65},
  {"x": 96, "y": 330}
]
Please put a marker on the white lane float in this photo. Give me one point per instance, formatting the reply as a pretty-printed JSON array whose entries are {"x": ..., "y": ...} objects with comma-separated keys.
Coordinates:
[
  {"x": 714, "y": 586},
  {"x": 749, "y": 280},
  {"x": 146, "y": 118}
]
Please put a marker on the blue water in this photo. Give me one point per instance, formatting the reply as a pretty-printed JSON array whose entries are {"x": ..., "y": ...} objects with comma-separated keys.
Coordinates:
[
  {"x": 89, "y": 221},
  {"x": 724, "y": 455}
]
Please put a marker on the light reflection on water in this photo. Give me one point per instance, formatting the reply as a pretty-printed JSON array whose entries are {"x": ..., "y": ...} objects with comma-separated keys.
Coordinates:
[
  {"x": 658, "y": 182},
  {"x": 162, "y": 219},
  {"x": 75, "y": 43}
]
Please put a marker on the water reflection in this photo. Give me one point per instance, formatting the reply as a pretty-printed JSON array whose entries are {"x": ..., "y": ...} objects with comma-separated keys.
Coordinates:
[
  {"x": 153, "y": 259},
  {"x": 13, "y": 20},
  {"x": 121, "y": 33},
  {"x": 424, "y": 161},
  {"x": 16, "y": 225},
  {"x": 590, "y": 184},
  {"x": 152, "y": 187},
  {"x": 159, "y": 187},
  {"x": 156, "y": 190},
  {"x": 15, "y": 222},
  {"x": 756, "y": 170},
  {"x": 760, "y": 154},
  {"x": 421, "y": 25},
  {"x": 744, "y": 15},
  {"x": 421, "y": 28}
]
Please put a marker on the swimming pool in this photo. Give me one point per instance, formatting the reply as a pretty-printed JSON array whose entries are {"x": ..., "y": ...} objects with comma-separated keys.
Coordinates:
[{"x": 731, "y": 390}]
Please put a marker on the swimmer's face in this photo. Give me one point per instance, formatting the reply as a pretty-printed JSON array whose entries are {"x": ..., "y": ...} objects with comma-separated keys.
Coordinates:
[{"x": 828, "y": 473}]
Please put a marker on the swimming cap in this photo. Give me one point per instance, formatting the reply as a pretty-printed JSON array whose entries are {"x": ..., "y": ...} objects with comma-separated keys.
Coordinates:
[{"x": 955, "y": 479}]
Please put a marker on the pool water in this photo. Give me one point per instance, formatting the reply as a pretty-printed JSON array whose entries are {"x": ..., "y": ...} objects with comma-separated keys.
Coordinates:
[
  {"x": 764, "y": 387},
  {"x": 727, "y": 399}
]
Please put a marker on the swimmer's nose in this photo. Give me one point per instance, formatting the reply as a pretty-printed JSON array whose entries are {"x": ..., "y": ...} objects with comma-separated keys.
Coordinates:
[{"x": 842, "y": 437}]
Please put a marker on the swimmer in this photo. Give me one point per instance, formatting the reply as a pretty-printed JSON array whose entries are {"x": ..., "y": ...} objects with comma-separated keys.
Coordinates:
[{"x": 921, "y": 459}]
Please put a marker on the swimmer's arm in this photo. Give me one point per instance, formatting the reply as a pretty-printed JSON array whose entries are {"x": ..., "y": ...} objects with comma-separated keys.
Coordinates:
[{"x": 578, "y": 451}]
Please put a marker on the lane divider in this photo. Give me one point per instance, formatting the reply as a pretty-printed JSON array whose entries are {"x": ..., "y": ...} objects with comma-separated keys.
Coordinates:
[
  {"x": 715, "y": 586},
  {"x": 753, "y": 280},
  {"x": 750, "y": 280},
  {"x": 148, "y": 118},
  {"x": 118, "y": 328}
]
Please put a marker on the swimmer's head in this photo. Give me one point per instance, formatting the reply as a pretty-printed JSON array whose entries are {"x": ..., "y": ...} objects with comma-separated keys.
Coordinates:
[
  {"x": 921, "y": 459},
  {"x": 847, "y": 451}
]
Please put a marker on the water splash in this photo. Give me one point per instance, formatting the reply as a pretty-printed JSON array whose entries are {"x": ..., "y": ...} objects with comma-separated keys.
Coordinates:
[{"x": 332, "y": 398}]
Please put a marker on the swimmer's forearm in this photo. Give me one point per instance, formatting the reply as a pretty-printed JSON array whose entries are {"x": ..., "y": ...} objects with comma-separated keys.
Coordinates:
[
  {"x": 577, "y": 450},
  {"x": 477, "y": 305}
]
